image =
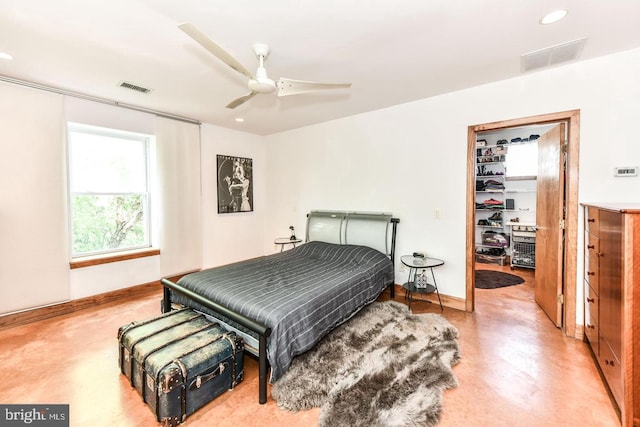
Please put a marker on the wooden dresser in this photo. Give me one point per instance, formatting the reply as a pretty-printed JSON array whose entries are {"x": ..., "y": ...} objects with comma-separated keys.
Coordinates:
[{"x": 612, "y": 268}]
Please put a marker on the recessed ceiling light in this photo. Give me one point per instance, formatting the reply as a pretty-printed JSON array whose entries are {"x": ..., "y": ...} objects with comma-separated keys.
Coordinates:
[
  {"x": 554, "y": 16},
  {"x": 239, "y": 119},
  {"x": 4, "y": 55}
]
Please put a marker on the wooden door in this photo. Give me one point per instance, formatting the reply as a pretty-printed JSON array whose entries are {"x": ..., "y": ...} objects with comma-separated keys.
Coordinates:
[{"x": 549, "y": 217}]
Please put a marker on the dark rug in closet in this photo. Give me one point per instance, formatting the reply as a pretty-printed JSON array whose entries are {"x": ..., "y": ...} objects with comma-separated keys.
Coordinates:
[{"x": 489, "y": 279}]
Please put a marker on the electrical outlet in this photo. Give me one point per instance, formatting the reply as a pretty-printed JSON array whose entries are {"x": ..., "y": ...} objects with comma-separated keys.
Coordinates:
[
  {"x": 438, "y": 213},
  {"x": 402, "y": 268}
]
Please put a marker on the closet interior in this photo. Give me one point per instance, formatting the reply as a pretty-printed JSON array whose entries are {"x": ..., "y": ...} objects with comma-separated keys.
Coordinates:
[{"x": 505, "y": 211}]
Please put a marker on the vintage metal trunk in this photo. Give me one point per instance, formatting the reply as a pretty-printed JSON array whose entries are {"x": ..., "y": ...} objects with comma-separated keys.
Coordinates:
[{"x": 180, "y": 361}]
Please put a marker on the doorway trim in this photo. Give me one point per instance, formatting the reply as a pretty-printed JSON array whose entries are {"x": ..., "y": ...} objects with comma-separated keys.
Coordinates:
[{"x": 572, "y": 118}]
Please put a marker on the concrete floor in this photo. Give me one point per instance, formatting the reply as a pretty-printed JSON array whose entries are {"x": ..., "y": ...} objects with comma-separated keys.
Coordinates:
[{"x": 516, "y": 370}]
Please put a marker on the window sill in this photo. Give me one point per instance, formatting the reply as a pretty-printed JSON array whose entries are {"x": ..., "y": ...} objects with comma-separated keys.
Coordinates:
[{"x": 106, "y": 259}]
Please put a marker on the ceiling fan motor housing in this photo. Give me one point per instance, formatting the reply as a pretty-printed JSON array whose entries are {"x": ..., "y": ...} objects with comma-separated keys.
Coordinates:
[{"x": 262, "y": 83}]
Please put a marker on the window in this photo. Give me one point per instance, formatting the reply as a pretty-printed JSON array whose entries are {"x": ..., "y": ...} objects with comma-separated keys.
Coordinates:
[
  {"x": 109, "y": 190},
  {"x": 522, "y": 161}
]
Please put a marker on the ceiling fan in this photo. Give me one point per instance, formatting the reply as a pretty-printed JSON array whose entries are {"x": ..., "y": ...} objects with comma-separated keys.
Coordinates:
[{"x": 258, "y": 83}]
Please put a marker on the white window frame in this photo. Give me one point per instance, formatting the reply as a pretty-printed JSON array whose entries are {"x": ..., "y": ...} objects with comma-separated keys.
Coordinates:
[{"x": 123, "y": 135}]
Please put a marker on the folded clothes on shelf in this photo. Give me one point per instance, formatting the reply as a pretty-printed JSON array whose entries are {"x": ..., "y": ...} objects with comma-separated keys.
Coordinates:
[
  {"x": 489, "y": 203},
  {"x": 489, "y": 206},
  {"x": 492, "y": 184},
  {"x": 489, "y": 184}
]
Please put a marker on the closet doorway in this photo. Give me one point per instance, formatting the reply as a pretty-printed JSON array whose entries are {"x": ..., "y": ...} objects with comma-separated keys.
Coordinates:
[{"x": 548, "y": 203}]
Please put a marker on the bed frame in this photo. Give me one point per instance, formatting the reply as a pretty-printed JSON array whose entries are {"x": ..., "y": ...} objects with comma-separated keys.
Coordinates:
[{"x": 339, "y": 227}]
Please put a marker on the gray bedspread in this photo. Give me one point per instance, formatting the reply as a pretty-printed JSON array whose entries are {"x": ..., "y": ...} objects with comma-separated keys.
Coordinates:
[{"x": 301, "y": 294}]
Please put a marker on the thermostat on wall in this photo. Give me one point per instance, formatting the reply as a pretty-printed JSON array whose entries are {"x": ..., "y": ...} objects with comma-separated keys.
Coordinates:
[{"x": 626, "y": 171}]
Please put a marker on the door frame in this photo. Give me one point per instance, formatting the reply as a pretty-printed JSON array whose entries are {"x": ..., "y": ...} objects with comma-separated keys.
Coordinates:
[{"x": 572, "y": 118}]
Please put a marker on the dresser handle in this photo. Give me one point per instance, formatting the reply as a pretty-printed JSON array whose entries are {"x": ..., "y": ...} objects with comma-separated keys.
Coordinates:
[
  {"x": 590, "y": 299},
  {"x": 591, "y": 327},
  {"x": 608, "y": 362},
  {"x": 599, "y": 254},
  {"x": 591, "y": 220},
  {"x": 591, "y": 273},
  {"x": 591, "y": 246}
]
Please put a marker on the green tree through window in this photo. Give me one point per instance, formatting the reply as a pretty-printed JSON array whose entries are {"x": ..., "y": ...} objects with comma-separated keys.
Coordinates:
[{"x": 109, "y": 190}]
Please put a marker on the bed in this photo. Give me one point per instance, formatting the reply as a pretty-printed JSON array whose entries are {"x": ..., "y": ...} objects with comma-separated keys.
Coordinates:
[{"x": 283, "y": 304}]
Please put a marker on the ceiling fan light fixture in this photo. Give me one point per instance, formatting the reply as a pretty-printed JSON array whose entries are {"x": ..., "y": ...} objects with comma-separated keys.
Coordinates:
[
  {"x": 262, "y": 85},
  {"x": 554, "y": 16}
]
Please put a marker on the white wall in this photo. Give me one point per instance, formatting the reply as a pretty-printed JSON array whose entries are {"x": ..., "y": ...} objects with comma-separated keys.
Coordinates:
[
  {"x": 411, "y": 159},
  {"x": 34, "y": 223},
  {"x": 233, "y": 236},
  {"x": 176, "y": 200},
  {"x": 98, "y": 279},
  {"x": 34, "y": 267},
  {"x": 177, "y": 214},
  {"x": 192, "y": 234}
]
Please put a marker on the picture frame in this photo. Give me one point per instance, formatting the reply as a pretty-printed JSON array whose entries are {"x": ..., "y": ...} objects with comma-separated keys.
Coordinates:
[{"x": 235, "y": 184}]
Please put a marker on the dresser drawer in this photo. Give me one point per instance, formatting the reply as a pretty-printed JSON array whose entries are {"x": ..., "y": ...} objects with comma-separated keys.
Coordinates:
[
  {"x": 591, "y": 315},
  {"x": 591, "y": 303},
  {"x": 591, "y": 261},
  {"x": 592, "y": 245},
  {"x": 612, "y": 370},
  {"x": 592, "y": 272},
  {"x": 592, "y": 220}
]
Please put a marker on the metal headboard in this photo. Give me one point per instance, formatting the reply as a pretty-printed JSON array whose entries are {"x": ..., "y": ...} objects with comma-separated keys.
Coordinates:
[
  {"x": 368, "y": 229},
  {"x": 326, "y": 226},
  {"x": 354, "y": 228}
]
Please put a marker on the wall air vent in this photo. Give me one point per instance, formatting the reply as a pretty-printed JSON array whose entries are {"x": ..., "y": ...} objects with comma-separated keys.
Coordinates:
[
  {"x": 131, "y": 86},
  {"x": 552, "y": 55}
]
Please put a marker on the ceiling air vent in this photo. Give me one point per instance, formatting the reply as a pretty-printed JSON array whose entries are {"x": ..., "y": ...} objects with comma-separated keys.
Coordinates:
[
  {"x": 131, "y": 86},
  {"x": 552, "y": 55}
]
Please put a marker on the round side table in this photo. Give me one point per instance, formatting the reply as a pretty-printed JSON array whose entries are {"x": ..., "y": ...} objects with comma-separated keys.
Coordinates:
[
  {"x": 283, "y": 241},
  {"x": 412, "y": 286}
]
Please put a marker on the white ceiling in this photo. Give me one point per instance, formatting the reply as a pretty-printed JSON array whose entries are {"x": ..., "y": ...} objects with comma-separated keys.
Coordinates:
[{"x": 391, "y": 51}]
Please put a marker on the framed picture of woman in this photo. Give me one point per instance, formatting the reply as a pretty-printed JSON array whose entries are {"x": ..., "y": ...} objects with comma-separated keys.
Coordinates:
[{"x": 235, "y": 184}]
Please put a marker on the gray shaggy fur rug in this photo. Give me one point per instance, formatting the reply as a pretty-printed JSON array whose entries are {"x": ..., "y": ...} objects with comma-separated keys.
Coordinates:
[{"x": 384, "y": 367}]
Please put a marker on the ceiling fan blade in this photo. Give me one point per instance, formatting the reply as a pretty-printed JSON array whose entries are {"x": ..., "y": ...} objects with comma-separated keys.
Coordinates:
[
  {"x": 294, "y": 87},
  {"x": 219, "y": 52},
  {"x": 236, "y": 102}
]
